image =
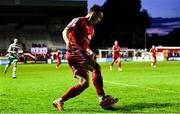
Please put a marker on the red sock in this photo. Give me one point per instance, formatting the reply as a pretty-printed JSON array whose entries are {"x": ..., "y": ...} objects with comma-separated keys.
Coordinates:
[
  {"x": 98, "y": 82},
  {"x": 72, "y": 92}
]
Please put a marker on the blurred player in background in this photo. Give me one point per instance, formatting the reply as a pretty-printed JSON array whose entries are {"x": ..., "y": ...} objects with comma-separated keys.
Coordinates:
[
  {"x": 77, "y": 36},
  {"x": 13, "y": 56},
  {"x": 58, "y": 59},
  {"x": 116, "y": 56},
  {"x": 153, "y": 52}
]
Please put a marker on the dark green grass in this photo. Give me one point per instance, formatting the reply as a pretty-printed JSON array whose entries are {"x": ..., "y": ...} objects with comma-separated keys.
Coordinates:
[{"x": 139, "y": 87}]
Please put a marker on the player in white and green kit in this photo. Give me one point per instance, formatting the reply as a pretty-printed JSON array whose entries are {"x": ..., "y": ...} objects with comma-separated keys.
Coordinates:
[{"x": 13, "y": 56}]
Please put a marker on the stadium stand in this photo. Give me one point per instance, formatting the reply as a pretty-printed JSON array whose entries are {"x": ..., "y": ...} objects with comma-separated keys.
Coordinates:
[{"x": 37, "y": 22}]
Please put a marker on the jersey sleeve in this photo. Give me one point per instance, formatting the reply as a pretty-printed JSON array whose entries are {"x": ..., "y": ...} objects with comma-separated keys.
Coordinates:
[
  {"x": 73, "y": 24},
  {"x": 9, "y": 48},
  {"x": 78, "y": 24}
]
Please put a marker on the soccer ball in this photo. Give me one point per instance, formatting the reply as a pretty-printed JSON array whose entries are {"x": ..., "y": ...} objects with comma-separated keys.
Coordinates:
[{"x": 108, "y": 102}]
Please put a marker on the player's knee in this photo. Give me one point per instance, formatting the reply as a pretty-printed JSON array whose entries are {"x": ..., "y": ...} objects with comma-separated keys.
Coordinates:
[
  {"x": 97, "y": 67},
  {"x": 15, "y": 65},
  {"x": 84, "y": 83}
]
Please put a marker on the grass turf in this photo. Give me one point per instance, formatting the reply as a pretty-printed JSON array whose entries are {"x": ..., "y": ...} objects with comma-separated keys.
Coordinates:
[{"x": 139, "y": 87}]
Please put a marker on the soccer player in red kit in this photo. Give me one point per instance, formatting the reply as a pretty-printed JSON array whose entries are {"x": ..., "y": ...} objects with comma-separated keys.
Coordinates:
[
  {"x": 58, "y": 58},
  {"x": 153, "y": 51},
  {"x": 77, "y": 36},
  {"x": 116, "y": 56}
]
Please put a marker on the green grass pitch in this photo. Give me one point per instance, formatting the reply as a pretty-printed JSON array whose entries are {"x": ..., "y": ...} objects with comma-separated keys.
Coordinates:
[{"x": 139, "y": 87}]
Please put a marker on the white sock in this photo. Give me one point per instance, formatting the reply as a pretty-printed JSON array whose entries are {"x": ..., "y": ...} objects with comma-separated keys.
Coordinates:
[
  {"x": 101, "y": 97},
  {"x": 60, "y": 99},
  {"x": 14, "y": 72}
]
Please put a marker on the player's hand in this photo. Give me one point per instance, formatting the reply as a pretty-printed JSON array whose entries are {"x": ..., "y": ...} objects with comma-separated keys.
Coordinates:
[
  {"x": 93, "y": 56},
  {"x": 13, "y": 52}
]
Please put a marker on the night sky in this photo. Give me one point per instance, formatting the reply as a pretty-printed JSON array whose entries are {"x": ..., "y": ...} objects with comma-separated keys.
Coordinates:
[{"x": 156, "y": 8}]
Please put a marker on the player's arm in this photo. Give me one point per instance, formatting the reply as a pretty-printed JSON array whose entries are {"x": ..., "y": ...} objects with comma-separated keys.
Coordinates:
[
  {"x": 91, "y": 53},
  {"x": 65, "y": 37},
  {"x": 70, "y": 27},
  {"x": 9, "y": 49},
  {"x": 150, "y": 51},
  {"x": 113, "y": 50},
  {"x": 20, "y": 49}
]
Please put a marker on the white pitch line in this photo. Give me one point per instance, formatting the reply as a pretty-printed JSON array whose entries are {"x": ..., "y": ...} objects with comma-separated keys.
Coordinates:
[{"x": 147, "y": 88}]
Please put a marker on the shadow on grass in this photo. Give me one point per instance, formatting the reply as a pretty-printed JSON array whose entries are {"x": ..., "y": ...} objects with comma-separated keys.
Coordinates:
[
  {"x": 141, "y": 106},
  {"x": 137, "y": 107}
]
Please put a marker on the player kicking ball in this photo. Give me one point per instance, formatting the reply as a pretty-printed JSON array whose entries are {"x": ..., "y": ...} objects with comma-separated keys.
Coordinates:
[
  {"x": 13, "y": 56},
  {"x": 77, "y": 36}
]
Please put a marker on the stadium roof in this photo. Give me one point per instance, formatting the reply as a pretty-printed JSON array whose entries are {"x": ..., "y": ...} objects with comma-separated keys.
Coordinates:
[
  {"x": 63, "y": 3},
  {"x": 24, "y": 11}
]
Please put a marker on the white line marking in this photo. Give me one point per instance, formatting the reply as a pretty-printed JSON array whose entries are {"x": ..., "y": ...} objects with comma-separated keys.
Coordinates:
[{"x": 147, "y": 88}]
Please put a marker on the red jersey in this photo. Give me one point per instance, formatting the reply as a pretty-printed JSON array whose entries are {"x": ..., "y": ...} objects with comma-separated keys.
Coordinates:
[
  {"x": 58, "y": 55},
  {"x": 153, "y": 51},
  {"x": 81, "y": 32},
  {"x": 116, "y": 50}
]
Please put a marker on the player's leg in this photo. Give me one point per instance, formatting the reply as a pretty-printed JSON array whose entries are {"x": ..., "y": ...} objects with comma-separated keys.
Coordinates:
[
  {"x": 104, "y": 100},
  {"x": 73, "y": 91},
  {"x": 97, "y": 79},
  {"x": 154, "y": 63},
  {"x": 6, "y": 67},
  {"x": 74, "y": 61},
  {"x": 111, "y": 66},
  {"x": 14, "y": 69},
  {"x": 9, "y": 64},
  {"x": 119, "y": 64},
  {"x": 58, "y": 63}
]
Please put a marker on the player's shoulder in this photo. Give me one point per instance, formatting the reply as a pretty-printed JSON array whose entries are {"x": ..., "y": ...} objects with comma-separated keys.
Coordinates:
[
  {"x": 10, "y": 45},
  {"x": 74, "y": 22},
  {"x": 76, "y": 19}
]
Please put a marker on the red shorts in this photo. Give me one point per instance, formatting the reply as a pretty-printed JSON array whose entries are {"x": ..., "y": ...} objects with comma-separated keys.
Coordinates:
[
  {"x": 76, "y": 59},
  {"x": 116, "y": 57},
  {"x": 58, "y": 61}
]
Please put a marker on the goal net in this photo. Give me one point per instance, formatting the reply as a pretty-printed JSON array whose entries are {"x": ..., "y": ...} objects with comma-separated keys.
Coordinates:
[{"x": 105, "y": 55}]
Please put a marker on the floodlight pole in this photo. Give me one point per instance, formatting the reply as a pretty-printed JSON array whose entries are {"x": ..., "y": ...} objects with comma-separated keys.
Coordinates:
[{"x": 145, "y": 40}]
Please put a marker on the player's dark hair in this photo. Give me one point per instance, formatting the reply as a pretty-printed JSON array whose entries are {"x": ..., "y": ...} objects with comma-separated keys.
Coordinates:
[{"x": 96, "y": 8}]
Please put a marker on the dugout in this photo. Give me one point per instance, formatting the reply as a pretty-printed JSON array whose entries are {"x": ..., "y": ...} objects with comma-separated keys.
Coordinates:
[{"x": 169, "y": 53}]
